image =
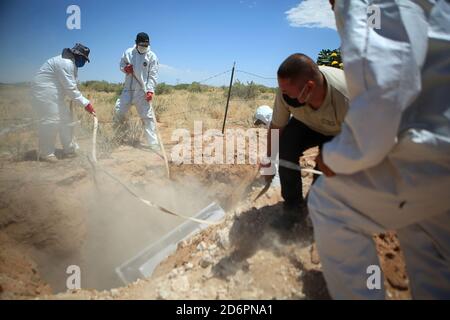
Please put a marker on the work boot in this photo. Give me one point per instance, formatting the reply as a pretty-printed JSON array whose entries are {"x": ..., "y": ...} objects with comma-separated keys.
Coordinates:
[
  {"x": 50, "y": 158},
  {"x": 292, "y": 214},
  {"x": 70, "y": 155},
  {"x": 71, "y": 152}
]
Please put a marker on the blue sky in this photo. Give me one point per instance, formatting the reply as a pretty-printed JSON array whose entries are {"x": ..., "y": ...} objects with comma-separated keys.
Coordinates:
[{"x": 193, "y": 39}]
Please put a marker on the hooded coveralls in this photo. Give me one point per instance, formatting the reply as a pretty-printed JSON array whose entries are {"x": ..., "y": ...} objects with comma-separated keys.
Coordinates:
[
  {"x": 145, "y": 68},
  {"x": 392, "y": 157},
  {"x": 55, "y": 80}
]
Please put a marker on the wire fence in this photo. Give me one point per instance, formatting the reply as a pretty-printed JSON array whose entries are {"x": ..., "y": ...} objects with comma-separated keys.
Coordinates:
[
  {"x": 17, "y": 124},
  {"x": 255, "y": 75},
  {"x": 234, "y": 94}
]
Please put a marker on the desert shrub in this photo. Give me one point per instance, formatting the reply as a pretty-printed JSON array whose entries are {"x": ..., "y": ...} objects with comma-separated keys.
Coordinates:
[
  {"x": 263, "y": 89},
  {"x": 195, "y": 87},
  {"x": 163, "y": 88},
  {"x": 182, "y": 86},
  {"x": 243, "y": 91},
  {"x": 102, "y": 86}
]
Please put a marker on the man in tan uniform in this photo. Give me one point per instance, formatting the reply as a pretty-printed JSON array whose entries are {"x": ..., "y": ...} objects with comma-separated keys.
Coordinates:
[{"x": 310, "y": 106}]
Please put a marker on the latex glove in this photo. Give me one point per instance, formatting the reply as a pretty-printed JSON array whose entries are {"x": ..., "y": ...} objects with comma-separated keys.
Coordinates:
[
  {"x": 128, "y": 69},
  {"x": 149, "y": 96},
  {"x": 89, "y": 108}
]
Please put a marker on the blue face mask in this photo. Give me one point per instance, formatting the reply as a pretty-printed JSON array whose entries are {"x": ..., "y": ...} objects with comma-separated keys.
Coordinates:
[{"x": 80, "y": 61}]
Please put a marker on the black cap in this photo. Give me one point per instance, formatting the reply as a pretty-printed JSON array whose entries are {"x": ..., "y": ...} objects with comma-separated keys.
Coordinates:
[
  {"x": 142, "y": 37},
  {"x": 81, "y": 50}
]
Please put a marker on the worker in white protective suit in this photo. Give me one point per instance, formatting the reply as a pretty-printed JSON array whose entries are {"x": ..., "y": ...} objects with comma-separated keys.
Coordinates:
[
  {"x": 140, "y": 66},
  {"x": 55, "y": 80},
  {"x": 389, "y": 168}
]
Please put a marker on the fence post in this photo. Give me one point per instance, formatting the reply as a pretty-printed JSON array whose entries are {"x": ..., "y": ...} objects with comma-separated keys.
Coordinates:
[{"x": 228, "y": 99}]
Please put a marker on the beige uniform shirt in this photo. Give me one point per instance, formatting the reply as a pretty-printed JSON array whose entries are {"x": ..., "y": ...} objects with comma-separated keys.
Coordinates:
[{"x": 328, "y": 118}]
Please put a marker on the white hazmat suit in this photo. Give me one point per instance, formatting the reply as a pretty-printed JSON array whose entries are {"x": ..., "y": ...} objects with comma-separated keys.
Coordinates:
[
  {"x": 145, "y": 68},
  {"x": 55, "y": 80},
  {"x": 392, "y": 157}
]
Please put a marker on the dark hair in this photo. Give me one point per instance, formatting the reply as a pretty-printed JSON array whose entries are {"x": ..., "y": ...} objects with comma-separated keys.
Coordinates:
[{"x": 298, "y": 67}]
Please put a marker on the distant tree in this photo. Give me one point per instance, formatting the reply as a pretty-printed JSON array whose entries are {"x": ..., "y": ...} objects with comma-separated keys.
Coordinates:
[
  {"x": 243, "y": 91},
  {"x": 182, "y": 86},
  {"x": 195, "y": 87},
  {"x": 102, "y": 86},
  {"x": 249, "y": 90},
  {"x": 163, "y": 88},
  {"x": 331, "y": 58}
]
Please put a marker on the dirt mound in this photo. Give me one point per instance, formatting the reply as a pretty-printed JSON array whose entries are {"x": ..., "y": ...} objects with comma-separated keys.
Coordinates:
[{"x": 19, "y": 275}]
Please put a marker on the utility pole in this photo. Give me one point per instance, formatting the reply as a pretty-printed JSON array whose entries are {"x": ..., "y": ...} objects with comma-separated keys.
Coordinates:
[{"x": 228, "y": 99}]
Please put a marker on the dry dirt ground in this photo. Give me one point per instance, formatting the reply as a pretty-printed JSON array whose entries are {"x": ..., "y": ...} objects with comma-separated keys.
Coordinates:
[
  {"x": 56, "y": 215},
  {"x": 52, "y": 216}
]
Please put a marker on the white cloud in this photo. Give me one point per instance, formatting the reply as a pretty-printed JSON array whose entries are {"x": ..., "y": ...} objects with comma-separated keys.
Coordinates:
[
  {"x": 166, "y": 67},
  {"x": 249, "y": 4},
  {"x": 174, "y": 72},
  {"x": 312, "y": 14}
]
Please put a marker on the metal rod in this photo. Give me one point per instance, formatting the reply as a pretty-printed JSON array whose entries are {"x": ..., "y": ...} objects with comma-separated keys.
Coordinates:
[
  {"x": 166, "y": 160},
  {"x": 228, "y": 99}
]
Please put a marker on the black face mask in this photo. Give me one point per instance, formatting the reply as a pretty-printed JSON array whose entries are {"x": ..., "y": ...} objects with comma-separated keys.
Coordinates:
[{"x": 294, "y": 103}]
